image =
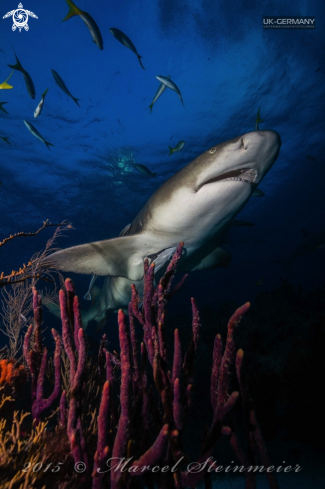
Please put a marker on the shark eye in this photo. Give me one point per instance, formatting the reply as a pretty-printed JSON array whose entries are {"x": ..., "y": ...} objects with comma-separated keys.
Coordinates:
[{"x": 212, "y": 150}]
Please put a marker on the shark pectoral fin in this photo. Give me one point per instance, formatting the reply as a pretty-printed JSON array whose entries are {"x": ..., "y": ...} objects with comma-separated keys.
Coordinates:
[
  {"x": 163, "y": 257},
  {"x": 118, "y": 257},
  {"x": 217, "y": 258}
]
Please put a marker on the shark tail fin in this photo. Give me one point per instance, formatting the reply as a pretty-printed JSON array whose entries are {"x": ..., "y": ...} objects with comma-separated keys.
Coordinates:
[
  {"x": 139, "y": 58},
  {"x": 155, "y": 174},
  {"x": 183, "y": 103},
  {"x": 76, "y": 100},
  {"x": 73, "y": 10},
  {"x": 150, "y": 107},
  {"x": 48, "y": 144},
  {"x": 43, "y": 94},
  {"x": 171, "y": 150},
  {"x": 6, "y": 140}
]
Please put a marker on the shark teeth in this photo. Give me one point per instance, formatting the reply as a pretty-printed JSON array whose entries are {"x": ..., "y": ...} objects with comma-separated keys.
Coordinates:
[{"x": 246, "y": 175}]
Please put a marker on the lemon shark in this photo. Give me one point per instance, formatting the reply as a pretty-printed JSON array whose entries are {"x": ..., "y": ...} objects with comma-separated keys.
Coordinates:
[{"x": 197, "y": 205}]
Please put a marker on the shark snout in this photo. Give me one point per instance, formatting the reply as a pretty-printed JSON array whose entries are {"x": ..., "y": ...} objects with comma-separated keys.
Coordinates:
[
  {"x": 272, "y": 140},
  {"x": 262, "y": 149},
  {"x": 263, "y": 139}
]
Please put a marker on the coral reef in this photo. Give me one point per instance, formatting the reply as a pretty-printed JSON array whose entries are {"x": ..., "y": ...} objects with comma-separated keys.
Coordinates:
[
  {"x": 36, "y": 359},
  {"x": 283, "y": 336},
  {"x": 131, "y": 434},
  {"x": 29, "y": 271},
  {"x": 16, "y": 290},
  {"x": 12, "y": 373}
]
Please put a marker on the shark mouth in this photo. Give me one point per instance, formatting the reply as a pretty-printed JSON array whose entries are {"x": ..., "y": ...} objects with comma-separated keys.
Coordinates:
[{"x": 246, "y": 175}]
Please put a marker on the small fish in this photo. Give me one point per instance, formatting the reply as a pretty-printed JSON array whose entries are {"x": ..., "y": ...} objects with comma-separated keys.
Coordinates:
[
  {"x": 4, "y": 85},
  {"x": 35, "y": 133},
  {"x": 143, "y": 169},
  {"x": 6, "y": 140},
  {"x": 88, "y": 294},
  {"x": 63, "y": 86},
  {"x": 258, "y": 119},
  {"x": 23, "y": 318},
  {"x": 170, "y": 84},
  {"x": 258, "y": 193},
  {"x": 29, "y": 82},
  {"x": 318, "y": 69},
  {"x": 260, "y": 281},
  {"x": 171, "y": 137},
  {"x": 39, "y": 108},
  {"x": 311, "y": 158},
  {"x": 179, "y": 146},
  {"x": 160, "y": 91},
  {"x": 1, "y": 107},
  {"x": 123, "y": 38},
  {"x": 89, "y": 21}
]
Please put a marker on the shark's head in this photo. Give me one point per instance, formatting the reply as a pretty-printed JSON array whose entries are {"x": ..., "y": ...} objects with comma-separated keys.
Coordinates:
[
  {"x": 243, "y": 159},
  {"x": 214, "y": 187},
  {"x": 226, "y": 175}
]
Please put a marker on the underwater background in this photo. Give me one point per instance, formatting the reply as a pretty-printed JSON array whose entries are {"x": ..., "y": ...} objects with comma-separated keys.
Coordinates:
[{"x": 227, "y": 67}]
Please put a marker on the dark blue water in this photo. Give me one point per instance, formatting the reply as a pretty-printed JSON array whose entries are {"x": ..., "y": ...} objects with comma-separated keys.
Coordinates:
[{"x": 226, "y": 66}]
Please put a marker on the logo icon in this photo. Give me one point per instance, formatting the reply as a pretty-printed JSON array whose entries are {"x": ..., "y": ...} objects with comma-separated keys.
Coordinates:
[{"x": 20, "y": 18}]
